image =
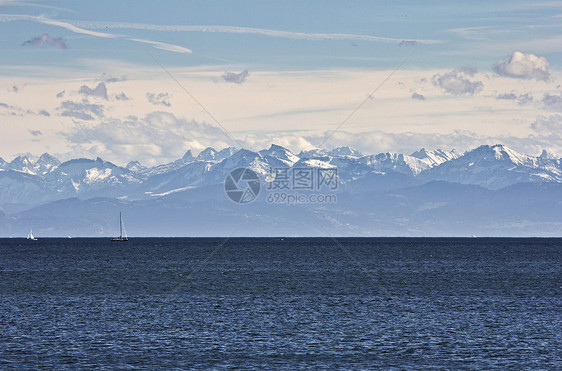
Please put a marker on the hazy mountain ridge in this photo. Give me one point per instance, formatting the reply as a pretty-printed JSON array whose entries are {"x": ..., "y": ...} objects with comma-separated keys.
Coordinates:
[
  {"x": 491, "y": 190},
  {"x": 432, "y": 209}
]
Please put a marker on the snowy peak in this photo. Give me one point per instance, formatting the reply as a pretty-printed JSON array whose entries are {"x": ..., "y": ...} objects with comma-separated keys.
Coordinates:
[
  {"x": 244, "y": 155},
  {"x": 43, "y": 165},
  {"x": 135, "y": 166},
  {"x": 500, "y": 152},
  {"x": 22, "y": 164},
  {"x": 436, "y": 156},
  {"x": 506, "y": 153},
  {"x": 393, "y": 162},
  {"x": 83, "y": 176},
  {"x": 188, "y": 157},
  {"x": 225, "y": 153},
  {"x": 208, "y": 154},
  {"x": 422, "y": 153},
  {"x": 313, "y": 153},
  {"x": 46, "y": 163},
  {"x": 280, "y": 153},
  {"x": 313, "y": 163},
  {"x": 495, "y": 167},
  {"x": 544, "y": 155},
  {"x": 345, "y": 152},
  {"x": 211, "y": 154},
  {"x": 425, "y": 159},
  {"x": 244, "y": 158}
]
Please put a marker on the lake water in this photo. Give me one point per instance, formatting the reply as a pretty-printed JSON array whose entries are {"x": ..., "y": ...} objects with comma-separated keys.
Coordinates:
[{"x": 263, "y": 303}]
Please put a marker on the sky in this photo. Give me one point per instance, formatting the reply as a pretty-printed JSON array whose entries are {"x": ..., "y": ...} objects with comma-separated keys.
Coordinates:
[{"x": 147, "y": 81}]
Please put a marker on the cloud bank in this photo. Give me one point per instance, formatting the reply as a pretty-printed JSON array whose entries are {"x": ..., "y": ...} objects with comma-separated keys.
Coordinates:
[{"x": 153, "y": 139}]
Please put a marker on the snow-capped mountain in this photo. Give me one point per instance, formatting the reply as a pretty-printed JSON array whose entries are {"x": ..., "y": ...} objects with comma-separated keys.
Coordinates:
[
  {"x": 22, "y": 164},
  {"x": 490, "y": 190},
  {"x": 414, "y": 164},
  {"x": 280, "y": 155},
  {"x": 45, "y": 164},
  {"x": 29, "y": 182},
  {"x": 210, "y": 154},
  {"x": 496, "y": 167},
  {"x": 41, "y": 166},
  {"x": 90, "y": 177},
  {"x": 336, "y": 152}
]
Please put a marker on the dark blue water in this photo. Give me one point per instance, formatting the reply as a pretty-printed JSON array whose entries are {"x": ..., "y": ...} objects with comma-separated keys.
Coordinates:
[{"x": 273, "y": 303}]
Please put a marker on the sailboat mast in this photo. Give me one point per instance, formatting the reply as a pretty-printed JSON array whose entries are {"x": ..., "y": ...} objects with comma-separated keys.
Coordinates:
[{"x": 120, "y": 226}]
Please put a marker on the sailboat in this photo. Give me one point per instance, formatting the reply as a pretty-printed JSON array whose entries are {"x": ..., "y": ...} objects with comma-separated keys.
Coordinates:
[
  {"x": 30, "y": 236},
  {"x": 122, "y": 232}
]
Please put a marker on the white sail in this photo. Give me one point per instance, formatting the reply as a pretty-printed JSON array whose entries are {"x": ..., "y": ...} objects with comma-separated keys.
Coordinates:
[
  {"x": 122, "y": 232},
  {"x": 30, "y": 235}
]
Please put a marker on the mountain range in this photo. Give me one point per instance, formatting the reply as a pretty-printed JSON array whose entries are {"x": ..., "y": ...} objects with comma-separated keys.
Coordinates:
[{"x": 490, "y": 190}]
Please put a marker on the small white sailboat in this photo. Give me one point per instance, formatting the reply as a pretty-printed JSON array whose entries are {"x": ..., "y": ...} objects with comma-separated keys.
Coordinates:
[
  {"x": 122, "y": 232},
  {"x": 30, "y": 236}
]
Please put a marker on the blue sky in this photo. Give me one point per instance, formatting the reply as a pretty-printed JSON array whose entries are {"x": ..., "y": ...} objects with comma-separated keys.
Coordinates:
[{"x": 469, "y": 72}]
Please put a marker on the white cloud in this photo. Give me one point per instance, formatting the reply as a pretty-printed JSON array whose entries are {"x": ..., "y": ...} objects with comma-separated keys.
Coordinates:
[
  {"x": 292, "y": 142},
  {"x": 378, "y": 141},
  {"x": 68, "y": 26},
  {"x": 457, "y": 82},
  {"x": 121, "y": 96},
  {"x": 98, "y": 91},
  {"x": 551, "y": 124},
  {"x": 251, "y": 30},
  {"x": 108, "y": 79},
  {"x": 302, "y": 104},
  {"x": 520, "y": 98},
  {"x": 71, "y": 27},
  {"x": 237, "y": 78},
  {"x": 164, "y": 46},
  {"x": 408, "y": 43},
  {"x": 161, "y": 99},
  {"x": 81, "y": 111},
  {"x": 552, "y": 102},
  {"x": 46, "y": 40},
  {"x": 523, "y": 66},
  {"x": 15, "y": 111}
]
